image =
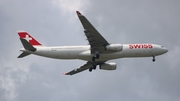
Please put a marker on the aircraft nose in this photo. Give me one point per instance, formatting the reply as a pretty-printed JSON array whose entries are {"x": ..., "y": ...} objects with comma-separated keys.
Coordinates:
[{"x": 165, "y": 50}]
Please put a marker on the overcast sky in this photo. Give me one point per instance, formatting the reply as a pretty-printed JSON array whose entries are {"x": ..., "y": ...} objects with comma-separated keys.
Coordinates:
[{"x": 54, "y": 22}]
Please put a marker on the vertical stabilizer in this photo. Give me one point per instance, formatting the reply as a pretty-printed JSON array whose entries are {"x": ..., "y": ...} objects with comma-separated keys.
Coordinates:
[
  {"x": 29, "y": 38},
  {"x": 28, "y": 42}
]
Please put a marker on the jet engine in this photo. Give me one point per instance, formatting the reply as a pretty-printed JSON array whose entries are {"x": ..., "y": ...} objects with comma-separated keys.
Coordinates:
[
  {"x": 114, "y": 47},
  {"x": 108, "y": 66}
]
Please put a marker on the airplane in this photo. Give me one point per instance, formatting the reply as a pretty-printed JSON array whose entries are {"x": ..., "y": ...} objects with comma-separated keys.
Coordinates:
[{"x": 97, "y": 53}]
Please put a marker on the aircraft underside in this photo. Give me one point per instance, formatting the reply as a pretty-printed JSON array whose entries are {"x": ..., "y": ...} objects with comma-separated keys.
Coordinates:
[
  {"x": 98, "y": 52},
  {"x": 85, "y": 54}
]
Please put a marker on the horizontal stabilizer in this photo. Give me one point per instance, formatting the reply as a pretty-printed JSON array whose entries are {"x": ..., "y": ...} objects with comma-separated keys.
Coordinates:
[
  {"x": 23, "y": 55},
  {"x": 27, "y": 45}
]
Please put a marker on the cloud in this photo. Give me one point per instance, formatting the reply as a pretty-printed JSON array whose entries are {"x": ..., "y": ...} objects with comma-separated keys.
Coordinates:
[
  {"x": 54, "y": 22},
  {"x": 70, "y": 6}
]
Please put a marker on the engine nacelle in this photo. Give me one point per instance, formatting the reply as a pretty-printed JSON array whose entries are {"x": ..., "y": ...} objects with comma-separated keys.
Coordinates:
[
  {"x": 114, "y": 47},
  {"x": 108, "y": 66}
]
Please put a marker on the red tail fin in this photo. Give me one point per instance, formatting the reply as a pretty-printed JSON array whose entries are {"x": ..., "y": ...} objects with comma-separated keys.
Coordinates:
[{"x": 29, "y": 38}]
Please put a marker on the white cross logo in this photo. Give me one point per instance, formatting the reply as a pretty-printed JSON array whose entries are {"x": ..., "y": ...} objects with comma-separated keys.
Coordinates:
[{"x": 28, "y": 38}]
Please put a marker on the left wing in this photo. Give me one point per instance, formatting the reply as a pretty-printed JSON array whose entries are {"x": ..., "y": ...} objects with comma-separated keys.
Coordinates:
[
  {"x": 80, "y": 69},
  {"x": 83, "y": 68}
]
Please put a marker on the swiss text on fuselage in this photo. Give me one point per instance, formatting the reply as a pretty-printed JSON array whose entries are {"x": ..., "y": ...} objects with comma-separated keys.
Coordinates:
[{"x": 138, "y": 46}]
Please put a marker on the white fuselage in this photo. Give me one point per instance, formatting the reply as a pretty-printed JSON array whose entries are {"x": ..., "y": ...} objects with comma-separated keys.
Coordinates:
[{"x": 84, "y": 52}]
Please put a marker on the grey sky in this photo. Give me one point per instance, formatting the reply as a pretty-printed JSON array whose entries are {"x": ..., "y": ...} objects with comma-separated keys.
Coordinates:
[{"x": 54, "y": 22}]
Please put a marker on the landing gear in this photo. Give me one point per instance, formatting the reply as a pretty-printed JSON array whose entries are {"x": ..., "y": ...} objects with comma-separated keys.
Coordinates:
[
  {"x": 93, "y": 58},
  {"x": 153, "y": 59},
  {"x": 96, "y": 56},
  {"x": 93, "y": 67},
  {"x": 90, "y": 69}
]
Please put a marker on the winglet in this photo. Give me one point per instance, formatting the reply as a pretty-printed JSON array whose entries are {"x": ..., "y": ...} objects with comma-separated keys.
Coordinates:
[
  {"x": 64, "y": 73},
  {"x": 78, "y": 13}
]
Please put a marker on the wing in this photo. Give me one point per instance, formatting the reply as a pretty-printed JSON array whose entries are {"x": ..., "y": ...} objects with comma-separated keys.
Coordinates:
[
  {"x": 96, "y": 41},
  {"x": 80, "y": 69}
]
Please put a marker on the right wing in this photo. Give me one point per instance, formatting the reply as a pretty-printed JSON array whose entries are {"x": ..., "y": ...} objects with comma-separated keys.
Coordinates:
[
  {"x": 80, "y": 69},
  {"x": 96, "y": 40}
]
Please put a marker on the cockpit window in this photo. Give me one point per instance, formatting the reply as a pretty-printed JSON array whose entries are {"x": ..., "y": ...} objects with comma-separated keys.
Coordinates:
[{"x": 162, "y": 46}]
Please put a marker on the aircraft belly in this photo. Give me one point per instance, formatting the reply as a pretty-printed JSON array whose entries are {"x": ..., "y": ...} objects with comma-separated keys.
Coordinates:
[
  {"x": 85, "y": 54},
  {"x": 68, "y": 55},
  {"x": 45, "y": 54},
  {"x": 59, "y": 54},
  {"x": 110, "y": 56},
  {"x": 103, "y": 57}
]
